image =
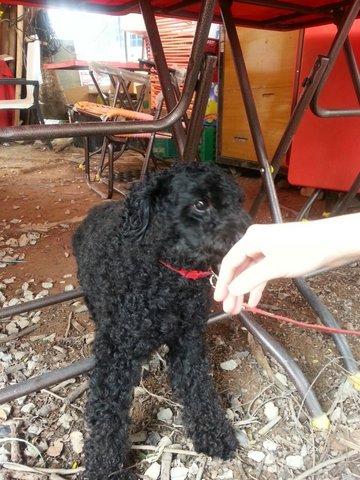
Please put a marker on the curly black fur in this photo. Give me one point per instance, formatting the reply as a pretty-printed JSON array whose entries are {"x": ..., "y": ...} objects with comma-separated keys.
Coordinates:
[{"x": 187, "y": 216}]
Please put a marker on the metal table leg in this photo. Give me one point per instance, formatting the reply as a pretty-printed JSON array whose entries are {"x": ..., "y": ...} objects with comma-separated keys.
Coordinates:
[{"x": 317, "y": 75}]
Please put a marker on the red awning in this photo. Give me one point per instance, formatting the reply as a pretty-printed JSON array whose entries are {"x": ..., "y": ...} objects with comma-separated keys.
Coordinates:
[{"x": 271, "y": 14}]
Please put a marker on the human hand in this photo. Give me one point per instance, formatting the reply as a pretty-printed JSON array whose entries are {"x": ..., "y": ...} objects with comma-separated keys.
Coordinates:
[{"x": 282, "y": 250}]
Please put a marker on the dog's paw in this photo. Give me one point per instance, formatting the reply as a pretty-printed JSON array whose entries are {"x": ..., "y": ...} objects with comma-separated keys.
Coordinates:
[{"x": 216, "y": 443}]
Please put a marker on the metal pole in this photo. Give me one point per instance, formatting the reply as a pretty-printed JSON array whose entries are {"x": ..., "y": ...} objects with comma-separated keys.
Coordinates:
[{"x": 250, "y": 107}]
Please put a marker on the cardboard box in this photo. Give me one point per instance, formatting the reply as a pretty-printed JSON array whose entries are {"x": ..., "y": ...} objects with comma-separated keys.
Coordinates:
[{"x": 76, "y": 94}]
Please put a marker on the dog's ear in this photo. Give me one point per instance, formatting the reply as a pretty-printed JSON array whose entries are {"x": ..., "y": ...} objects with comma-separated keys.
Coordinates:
[{"x": 141, "y": 202}]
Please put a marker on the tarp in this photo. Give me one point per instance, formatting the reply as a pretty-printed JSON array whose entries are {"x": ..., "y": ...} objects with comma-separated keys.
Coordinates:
[{"x": 272, "y": 14}]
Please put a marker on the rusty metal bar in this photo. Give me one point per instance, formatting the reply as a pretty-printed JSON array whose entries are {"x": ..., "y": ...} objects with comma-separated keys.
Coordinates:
[
  {"x": 278, "y": 352},
  {"x": 197, "y": 118},
  {"x": 250, "y": 107},
  {"x": 46, "y": 380},
  {"x": 84, "y": 366},
  {"x": 338, "y": 43},
  {"x": 311, "y": 84},
  {"x": 40, "y": 303},
  {"x": 163, "y": 72}
]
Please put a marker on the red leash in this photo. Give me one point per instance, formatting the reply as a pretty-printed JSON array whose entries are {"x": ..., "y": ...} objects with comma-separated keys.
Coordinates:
[{"x": 311, "y": 326}]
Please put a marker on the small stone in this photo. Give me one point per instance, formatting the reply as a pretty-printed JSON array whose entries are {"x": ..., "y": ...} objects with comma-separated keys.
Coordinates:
[
  {"x": 77, "y": 441},
  {"x": 28, "y": 295},
  {"x": 270, "y": 445},
  {"x": 138, "y": 437},
  {"x": 271, "y": 411},
  {"x": 13, "y": 301},
  {"x": 256, "y": 455},
  {"x": 12, "y": 242},
  {"x": 2, "y": 297},
  {"x": 269, "y": 459},
  {"x": 81, "y": 309},
  {"x": 27, "y": 408},
  {"x": 242, "y": 438},
  {"x": 194, "y": 468},
  {"x": 65, "y": 420},
  {"x": 227, "y": 475},
  {"x": 11, "y": 328},
  {"x": 42, "y": 294},
  {"x": 179, "y": 473},
  {"x": 295, "y": 462},
  {"x": 153, "y": 439},
  {"x": 69, "y": 287},
  {"x": 44, "y": 410},
  {"x": 153, "y": 471},
  {"x": 5, "y": 411},
  {"x": 165, "y": 415},
  {"x": 34, "y": 429},
  {"x": 23, "y": 323},
  {"x": 228, "y": 365},
  {"x": 281, "y": 378},
  {"x": 23, "y": 240},
  {"x": 47, "y": 285},
  {"x": 55, "y": 449}
]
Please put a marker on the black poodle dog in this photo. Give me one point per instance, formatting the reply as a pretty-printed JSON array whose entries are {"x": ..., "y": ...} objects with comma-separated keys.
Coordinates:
[{"x": 144, "y": 265}]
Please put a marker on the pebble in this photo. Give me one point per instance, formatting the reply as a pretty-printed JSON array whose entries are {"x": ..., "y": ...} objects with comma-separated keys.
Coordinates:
[
  {"x": 295, "y": 462},
  {"x": 81, "y": 309},
  {"x": 179, "y": 473},
  {"x": 269, "y": 459},
  {"x": 23, "y": 240},
  {"x": 227, "y": 475},
  {"x": 153, "y": 439},
  {"x": 153, "y": 471},
  {"x": 165, "y": 415},
  {"x": 5, "y": 411},
  {"x": 28, "y": 295},
  {"x": 282, "y": 378},
  {"x": 270, "y": 445},
  {"x": 42, "y": 294},
  {"x": 11, "y": 328},
  {"x": 45, "y": 410},
  {"x": 256, "y": 455},
  {"x": 242, "y": 438},
  {"x": 69, "y": 287},
  {"x": 65, "y": 420},
  {"x": 271, "y": 411},
  {"x": 34, "y": 430},
  {"x": 138, "y": 437},
  {"x": 13, "y": 301},
  {"x": 47, "y": 285},
  {"x": 228, "y": 365},
  {"x": 23, "y": 323},
  {"x": 28, "y": 408}
]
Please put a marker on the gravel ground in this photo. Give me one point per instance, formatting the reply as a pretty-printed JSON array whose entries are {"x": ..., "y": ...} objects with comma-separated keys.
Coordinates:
[{"x": 41, "y": 435}]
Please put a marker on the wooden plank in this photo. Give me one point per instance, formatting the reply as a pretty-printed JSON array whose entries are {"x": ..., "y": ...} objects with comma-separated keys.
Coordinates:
[{"x": 270, "y": 58}]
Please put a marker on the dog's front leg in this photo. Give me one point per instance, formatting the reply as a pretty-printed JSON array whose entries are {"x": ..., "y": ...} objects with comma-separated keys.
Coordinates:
[
  {"x": 203, "y": 416},
  {"x": 110, "y": 396}
]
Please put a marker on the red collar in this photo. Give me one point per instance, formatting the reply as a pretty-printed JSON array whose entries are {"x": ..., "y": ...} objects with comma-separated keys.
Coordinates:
[{"x": 191, "y": 274}]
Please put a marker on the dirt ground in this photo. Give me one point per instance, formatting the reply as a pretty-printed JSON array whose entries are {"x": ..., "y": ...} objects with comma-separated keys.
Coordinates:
[{"x": 43, "y": 197}]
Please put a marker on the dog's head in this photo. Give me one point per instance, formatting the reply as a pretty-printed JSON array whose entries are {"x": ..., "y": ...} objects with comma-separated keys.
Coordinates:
[{"x": 193, "y": 212}]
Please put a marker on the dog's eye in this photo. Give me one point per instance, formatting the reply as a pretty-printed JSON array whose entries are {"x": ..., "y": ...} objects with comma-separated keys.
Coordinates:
[{"x": 201, "y": 205}]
